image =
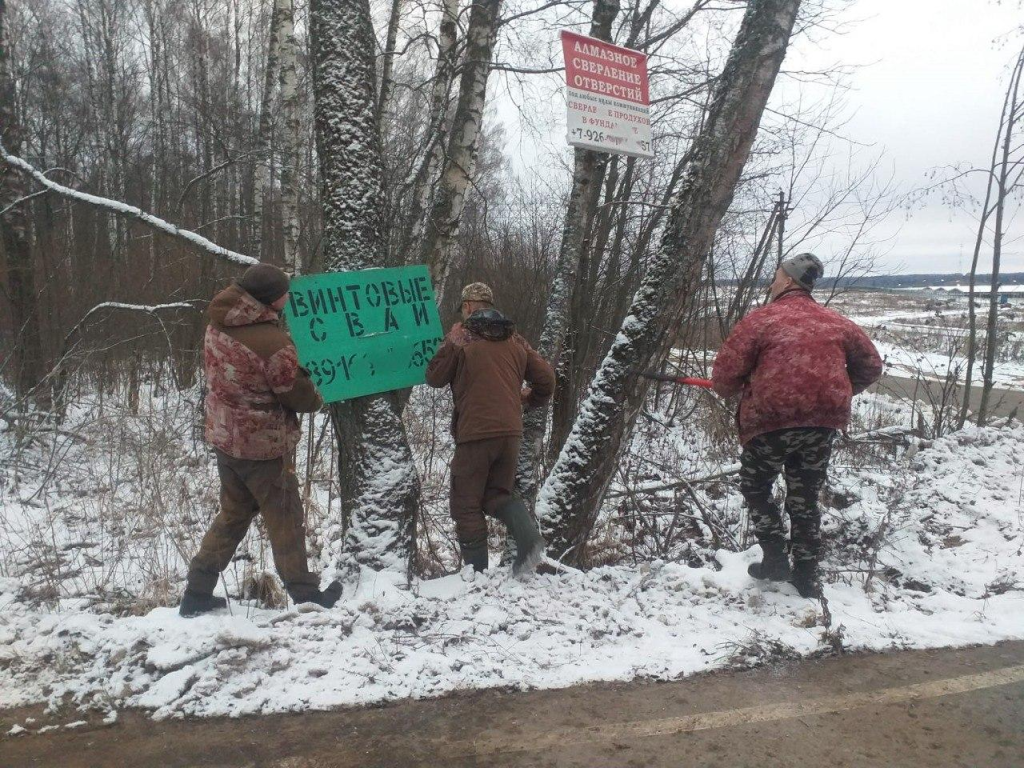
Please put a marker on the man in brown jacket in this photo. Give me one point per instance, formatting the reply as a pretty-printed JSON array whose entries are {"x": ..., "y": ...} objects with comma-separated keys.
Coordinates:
[
  {"x": 254, "y": 389},
  {"x": 485, "y": 362}
]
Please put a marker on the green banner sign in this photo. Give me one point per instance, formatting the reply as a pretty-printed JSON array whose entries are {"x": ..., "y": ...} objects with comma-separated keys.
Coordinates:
[{"x": 359, "y": 333}]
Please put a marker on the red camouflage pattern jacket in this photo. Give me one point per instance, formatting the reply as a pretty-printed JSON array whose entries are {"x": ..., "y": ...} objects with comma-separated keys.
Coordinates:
[
  {"x": 797, "y": 364},
  {"x": 255, "y": 385}
]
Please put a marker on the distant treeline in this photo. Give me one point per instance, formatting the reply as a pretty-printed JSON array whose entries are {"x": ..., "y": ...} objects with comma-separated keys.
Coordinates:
[{"x": 924, "y": 280}]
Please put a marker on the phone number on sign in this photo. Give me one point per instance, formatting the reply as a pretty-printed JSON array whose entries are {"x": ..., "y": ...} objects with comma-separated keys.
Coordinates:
[{"x": 359, "y": 365}]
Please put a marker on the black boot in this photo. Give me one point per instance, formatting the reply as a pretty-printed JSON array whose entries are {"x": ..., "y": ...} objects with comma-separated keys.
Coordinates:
[
  {"x": 475, "y": 553},
  {"x": 774, "y": 565},
  {"x": 325, "y": 598},
  {"x": 530, "y": 545},
  {"x": 196, "y": 603},
  {"x": 805, "y": 579}
]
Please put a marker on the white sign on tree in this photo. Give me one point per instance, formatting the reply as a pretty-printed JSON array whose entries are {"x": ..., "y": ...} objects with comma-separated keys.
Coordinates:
[{"x": 609, "y": 98}]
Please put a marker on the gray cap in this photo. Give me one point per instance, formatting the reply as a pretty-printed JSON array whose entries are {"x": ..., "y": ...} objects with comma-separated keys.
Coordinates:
[{"x": 805, "y": 268}]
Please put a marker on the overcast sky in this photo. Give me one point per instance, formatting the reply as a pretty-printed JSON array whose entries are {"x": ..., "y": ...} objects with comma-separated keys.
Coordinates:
[
  {"x": 929, "y": 94},
  {"x": 926, "y": 94}
]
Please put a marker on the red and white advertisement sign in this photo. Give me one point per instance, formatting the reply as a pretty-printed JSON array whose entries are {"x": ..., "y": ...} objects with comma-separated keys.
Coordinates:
[{"x": 609, "y": 98}]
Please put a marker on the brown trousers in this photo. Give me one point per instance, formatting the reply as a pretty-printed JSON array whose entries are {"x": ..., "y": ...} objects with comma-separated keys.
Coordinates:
[
  {"x": 248, "y": 487},
  {"x": 483, "y": 475}
]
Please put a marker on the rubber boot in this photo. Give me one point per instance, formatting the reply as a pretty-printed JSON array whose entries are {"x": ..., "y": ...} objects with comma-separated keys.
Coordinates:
[
  {"x": 325, "y": 598},
  {"x": 196, "y": 603},
  {"x": 475, "y": 554},
  {"x": 774, "y": 565},
  {"x": 530, "y": 545},
  {"x": 805, "y": 579}
]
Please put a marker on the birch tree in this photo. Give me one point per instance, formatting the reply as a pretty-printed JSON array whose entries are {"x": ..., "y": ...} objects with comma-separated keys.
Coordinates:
[
  {"x": 571, "y": 497},
  {"x": 262, "y": 180},
  {"x": 450, "y": 197},
  {"x": 280, "y": 78},
  {"x": 379, "y": 487},
  {"x": 288, "y": 49},
  {"x": 588, "y": 168},
  {"x": 422, "y": 179}
]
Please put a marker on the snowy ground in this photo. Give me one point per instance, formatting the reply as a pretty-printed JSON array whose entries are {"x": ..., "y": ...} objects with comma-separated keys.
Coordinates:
[
  {"x": 936, "y": 366},
  {"x": 947, "y": 570},
  {"x": 924, "y": 334},
  {"x": 98, "y": 518}
]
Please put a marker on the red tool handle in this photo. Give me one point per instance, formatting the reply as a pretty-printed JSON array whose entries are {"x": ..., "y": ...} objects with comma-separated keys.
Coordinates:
[{"x": 687, "y": 380}]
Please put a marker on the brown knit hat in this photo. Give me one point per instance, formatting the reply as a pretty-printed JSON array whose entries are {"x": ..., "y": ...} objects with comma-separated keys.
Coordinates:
[{"x": 264, "y": 282}]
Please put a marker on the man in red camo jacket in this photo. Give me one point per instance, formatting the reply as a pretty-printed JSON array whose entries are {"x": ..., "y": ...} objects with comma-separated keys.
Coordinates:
[
  {"x": 797, "y": 365},
  {"x": 255, "y": 388}
]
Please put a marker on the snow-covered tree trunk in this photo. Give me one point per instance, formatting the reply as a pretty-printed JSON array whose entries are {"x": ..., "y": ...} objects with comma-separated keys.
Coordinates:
[
  {"x": 292, "y": 134},
  {"x": 571, "y": 498},
  {"x": 17, "y": 245},
  {"x": 450, "y": 198},
  {"x": 379, "y": 487},
  {"x": 423, "y": 178},
  {"x": 588, "y": 170}
]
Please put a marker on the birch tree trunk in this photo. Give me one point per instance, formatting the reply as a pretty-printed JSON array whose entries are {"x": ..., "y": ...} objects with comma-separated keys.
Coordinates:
[
  {"x": 262, "y": 180},
  {"x": 422, "y": 180},
  {"x": 443, "y": 222},
  {"x": 292, "y": 134},
  {"x": 16, "y": 238},
  {"x": 588, "y": 171},
  {"x": 571, "y": 498},
  {"x": 157, "y": 118},
  {"x": 1013, "y": 114},
  {"x": 379, "y": 487}
]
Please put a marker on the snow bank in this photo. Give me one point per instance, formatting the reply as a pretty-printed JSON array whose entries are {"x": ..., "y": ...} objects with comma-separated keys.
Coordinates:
[
  {"x": 951, "y": 573},
  {"x": 936, "y": 366}
]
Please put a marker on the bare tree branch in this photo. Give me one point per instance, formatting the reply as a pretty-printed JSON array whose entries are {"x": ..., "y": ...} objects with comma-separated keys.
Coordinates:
[{"x": 130, "y": 212}]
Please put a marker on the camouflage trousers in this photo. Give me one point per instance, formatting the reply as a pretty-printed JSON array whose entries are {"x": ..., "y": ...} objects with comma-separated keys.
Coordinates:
[
  {"x": 249, "y": 487},
  {"x": 483, "y": 476},
  {"x": 802, "y": 454}
]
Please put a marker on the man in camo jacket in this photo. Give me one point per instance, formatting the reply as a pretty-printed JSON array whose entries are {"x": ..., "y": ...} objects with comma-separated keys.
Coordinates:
[
  {"x": 485, "y": 362},
  {"x": 797, "y": 365},
  {"x": 255, "y": 388}
]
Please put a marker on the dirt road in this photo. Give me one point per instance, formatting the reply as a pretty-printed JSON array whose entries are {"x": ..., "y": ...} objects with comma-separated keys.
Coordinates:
[
  {"x": 1003, "y": 402},
  {"x": 925, "y": 708}
]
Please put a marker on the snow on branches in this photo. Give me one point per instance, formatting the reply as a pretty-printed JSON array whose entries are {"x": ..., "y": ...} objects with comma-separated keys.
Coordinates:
[{"x": 129, "y": 212}]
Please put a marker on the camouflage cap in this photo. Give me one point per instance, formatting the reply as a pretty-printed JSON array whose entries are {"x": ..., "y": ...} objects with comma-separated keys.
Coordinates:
[
  {"x": 478, "y": 292},
  {"x": 805, "y": 268}
]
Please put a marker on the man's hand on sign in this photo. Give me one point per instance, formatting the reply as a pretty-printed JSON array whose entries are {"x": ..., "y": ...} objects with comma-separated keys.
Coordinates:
[{"x": 458, "y": 336}]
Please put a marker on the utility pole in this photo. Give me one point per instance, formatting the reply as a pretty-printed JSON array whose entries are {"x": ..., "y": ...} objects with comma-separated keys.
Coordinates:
[{"x": 780, "y": 218}]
